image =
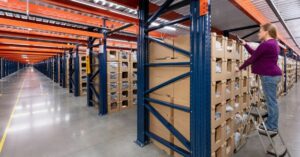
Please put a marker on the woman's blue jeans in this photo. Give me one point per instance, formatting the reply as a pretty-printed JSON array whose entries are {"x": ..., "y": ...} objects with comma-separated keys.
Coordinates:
[{"x": 269, "y": 85}]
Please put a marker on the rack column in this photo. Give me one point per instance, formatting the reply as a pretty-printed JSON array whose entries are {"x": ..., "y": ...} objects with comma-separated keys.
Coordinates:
[{"x": 199, "y": 144}]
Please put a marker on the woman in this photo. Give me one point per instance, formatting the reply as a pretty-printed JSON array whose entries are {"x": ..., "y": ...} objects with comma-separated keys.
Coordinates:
[{"x": 263, "y": 62}]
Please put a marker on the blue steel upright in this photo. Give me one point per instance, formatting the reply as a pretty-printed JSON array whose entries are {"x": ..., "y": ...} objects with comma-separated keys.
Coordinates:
[
  {"x": 76, "y": 72},
  {"x": 199, "y": 144},
  {"x": 103, "y": 78}
]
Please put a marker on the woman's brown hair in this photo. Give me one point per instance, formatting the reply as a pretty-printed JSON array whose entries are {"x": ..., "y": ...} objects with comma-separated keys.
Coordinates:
[{"x": 271, "y": 29}]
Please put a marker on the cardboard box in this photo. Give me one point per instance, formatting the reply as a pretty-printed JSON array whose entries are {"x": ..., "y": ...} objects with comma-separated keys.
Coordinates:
[
  {"x": 124, "y": 85},
  {"x": 133, "y": 56},
  {"x": 217, "y": 114},
  {"x": 229, "y": 147},
  {"x": 124, "y": 55},
  {"x": 133, "y": 66},
  {"x": 113, "y": 106},
  {"x": 229, "y": 88},
  {"x": 218, "y": 45},
  {"x": 157, "y": 127},
  {"x": 229, "y": 108},
  {"x": 218, "y": 69},
  {"x": 220, "y": 152},
  {"x": 113, "y": 66},
  {"x": 113, "y": 55},
  {"x": 182, "y": 124},
  {"x": 229, "y": 68},
  {"x": 113, "y": 87},
  {"x": 124, "y": 66},
  {"x": 237, "y": 64},
  {"x": 125, "y": 104},
  {"x": 124, "y": 95},
  {"x": 124, "y": 76},
  {"x": 229, "y": 128},
  {"x": 245, "y": 84},
  {"x": 238, "y": 51},
  {"x": 112, "y": 77},
  {"x": 217, "y": 137},
  {"x": 230, "y": 49},
  {"x": 217, "y": 92},
  {"x": 237, "y": 86}
]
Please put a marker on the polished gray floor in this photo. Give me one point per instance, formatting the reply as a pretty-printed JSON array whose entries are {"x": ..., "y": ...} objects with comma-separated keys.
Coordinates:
[
  {"x": 289, "y": 126},
  {"x": 49, "y": 122}
]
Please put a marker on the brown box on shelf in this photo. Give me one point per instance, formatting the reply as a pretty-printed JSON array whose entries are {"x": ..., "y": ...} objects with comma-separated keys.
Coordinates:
[
  {"x": 237, "y": 100},
  {"x": 133, "y": 56},
  {"x": 218, "y": 45},
  {"x": 236, "y": 64},
  {"x": 113, "y": 97},
  {"x": 133, "y": 76},
  {"x": 229, "y": 88},
  {"x": 219, "y": 152},
  {"x": 238, "y": 51},
  {"x": 245, "y": 99},
  {"x": 229, "y": 108},
  {"x": 230, "y": 49},
  {"x": 218, "y": 67},
  {"x": 156, "y": 126},
  {"x": 133, "y": 85},
  {"x": 229, "y": 68},
  {"x": 245, "y": 84},
  {"x": 113, "y": 87},
  {"x": 133, "y": 66},
  {"x": 113, "y": 66},
  {"x": 124, "y": 55},
  {"x": 113, "y": 76},
  {"x": 124, "y": 76},
  {"x": 124, "y": 85},
  {"x": 113, "y": 55},
  {"x": 217, "y": 137},
  {"x": 113, "y": 106},
  {"x": 237, "y": 86},
  {"x": 124, "y": 66},
  {"x": 124, "y": 95},
  {"x": 217, "y": 114},
  {"x": 229, "y": 147},
  {"x": 125, "y": 104},
  {"x": 217, "y": 92},
  {"x": 229, "y": 128}
]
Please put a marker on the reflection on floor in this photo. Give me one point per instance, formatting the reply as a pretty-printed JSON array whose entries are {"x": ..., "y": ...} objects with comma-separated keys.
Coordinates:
[
  {"x": 289, "y": 127},
  {"x": 49, "y": 122}
]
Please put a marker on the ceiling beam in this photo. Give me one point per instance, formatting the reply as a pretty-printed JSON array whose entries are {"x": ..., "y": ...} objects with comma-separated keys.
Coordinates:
[
  {"x": 34, "y": 43},
  {"x": 29, "y": 49},
  {"x": 47, "y": 27}
]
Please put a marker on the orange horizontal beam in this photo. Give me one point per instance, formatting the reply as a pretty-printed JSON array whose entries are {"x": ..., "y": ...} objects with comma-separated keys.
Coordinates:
[
  {"x": 54, "y": 13},
  {"x": 42, "y": 36},
  {"x": 250, "y": 9},
  {"x": 32, "y": 25},
  {"x": 28, "y": 53},
  {"x": 33, "y": 43},
  {"x": 17, "y": 48}
]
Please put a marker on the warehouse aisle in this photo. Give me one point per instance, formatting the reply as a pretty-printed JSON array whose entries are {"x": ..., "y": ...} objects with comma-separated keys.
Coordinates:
[
  {"x": 49, "y": 122},
  {"x": 289, "y": 127}
]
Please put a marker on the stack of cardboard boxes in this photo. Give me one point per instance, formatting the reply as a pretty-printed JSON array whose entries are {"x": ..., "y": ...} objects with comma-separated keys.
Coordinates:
[
  {"x": 82, "y": 74},
  {"x": 229, "y": 92},
  {"x": 290, "y": 72},
  {"x": 121, "y": 79}
]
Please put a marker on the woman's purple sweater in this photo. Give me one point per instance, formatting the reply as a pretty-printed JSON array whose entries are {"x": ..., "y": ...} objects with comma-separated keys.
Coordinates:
[{"x": 264, "y": 59}]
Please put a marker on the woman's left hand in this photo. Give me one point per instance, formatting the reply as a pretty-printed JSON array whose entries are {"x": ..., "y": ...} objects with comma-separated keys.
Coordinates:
[{"x": 237, "y": 69}]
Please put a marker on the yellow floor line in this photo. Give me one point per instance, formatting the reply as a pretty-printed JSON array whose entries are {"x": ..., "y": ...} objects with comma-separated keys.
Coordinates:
[{"x": 10, "y": 119}]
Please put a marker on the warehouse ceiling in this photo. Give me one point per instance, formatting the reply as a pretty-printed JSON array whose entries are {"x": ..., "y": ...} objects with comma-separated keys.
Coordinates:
[{"x": 69, "y": 22}]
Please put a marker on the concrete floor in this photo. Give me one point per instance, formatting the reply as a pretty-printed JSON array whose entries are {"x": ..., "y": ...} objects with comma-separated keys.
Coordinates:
[
  {"x": 289, "y": 127},
  {"x": 49, "y": 122}
]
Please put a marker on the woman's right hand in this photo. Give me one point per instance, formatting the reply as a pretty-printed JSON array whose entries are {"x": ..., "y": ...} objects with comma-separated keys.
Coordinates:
[{"x": 243, "y": 42}]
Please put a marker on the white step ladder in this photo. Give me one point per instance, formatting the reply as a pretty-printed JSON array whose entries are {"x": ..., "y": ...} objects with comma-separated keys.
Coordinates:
[{"x": 257, "y": 116}]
